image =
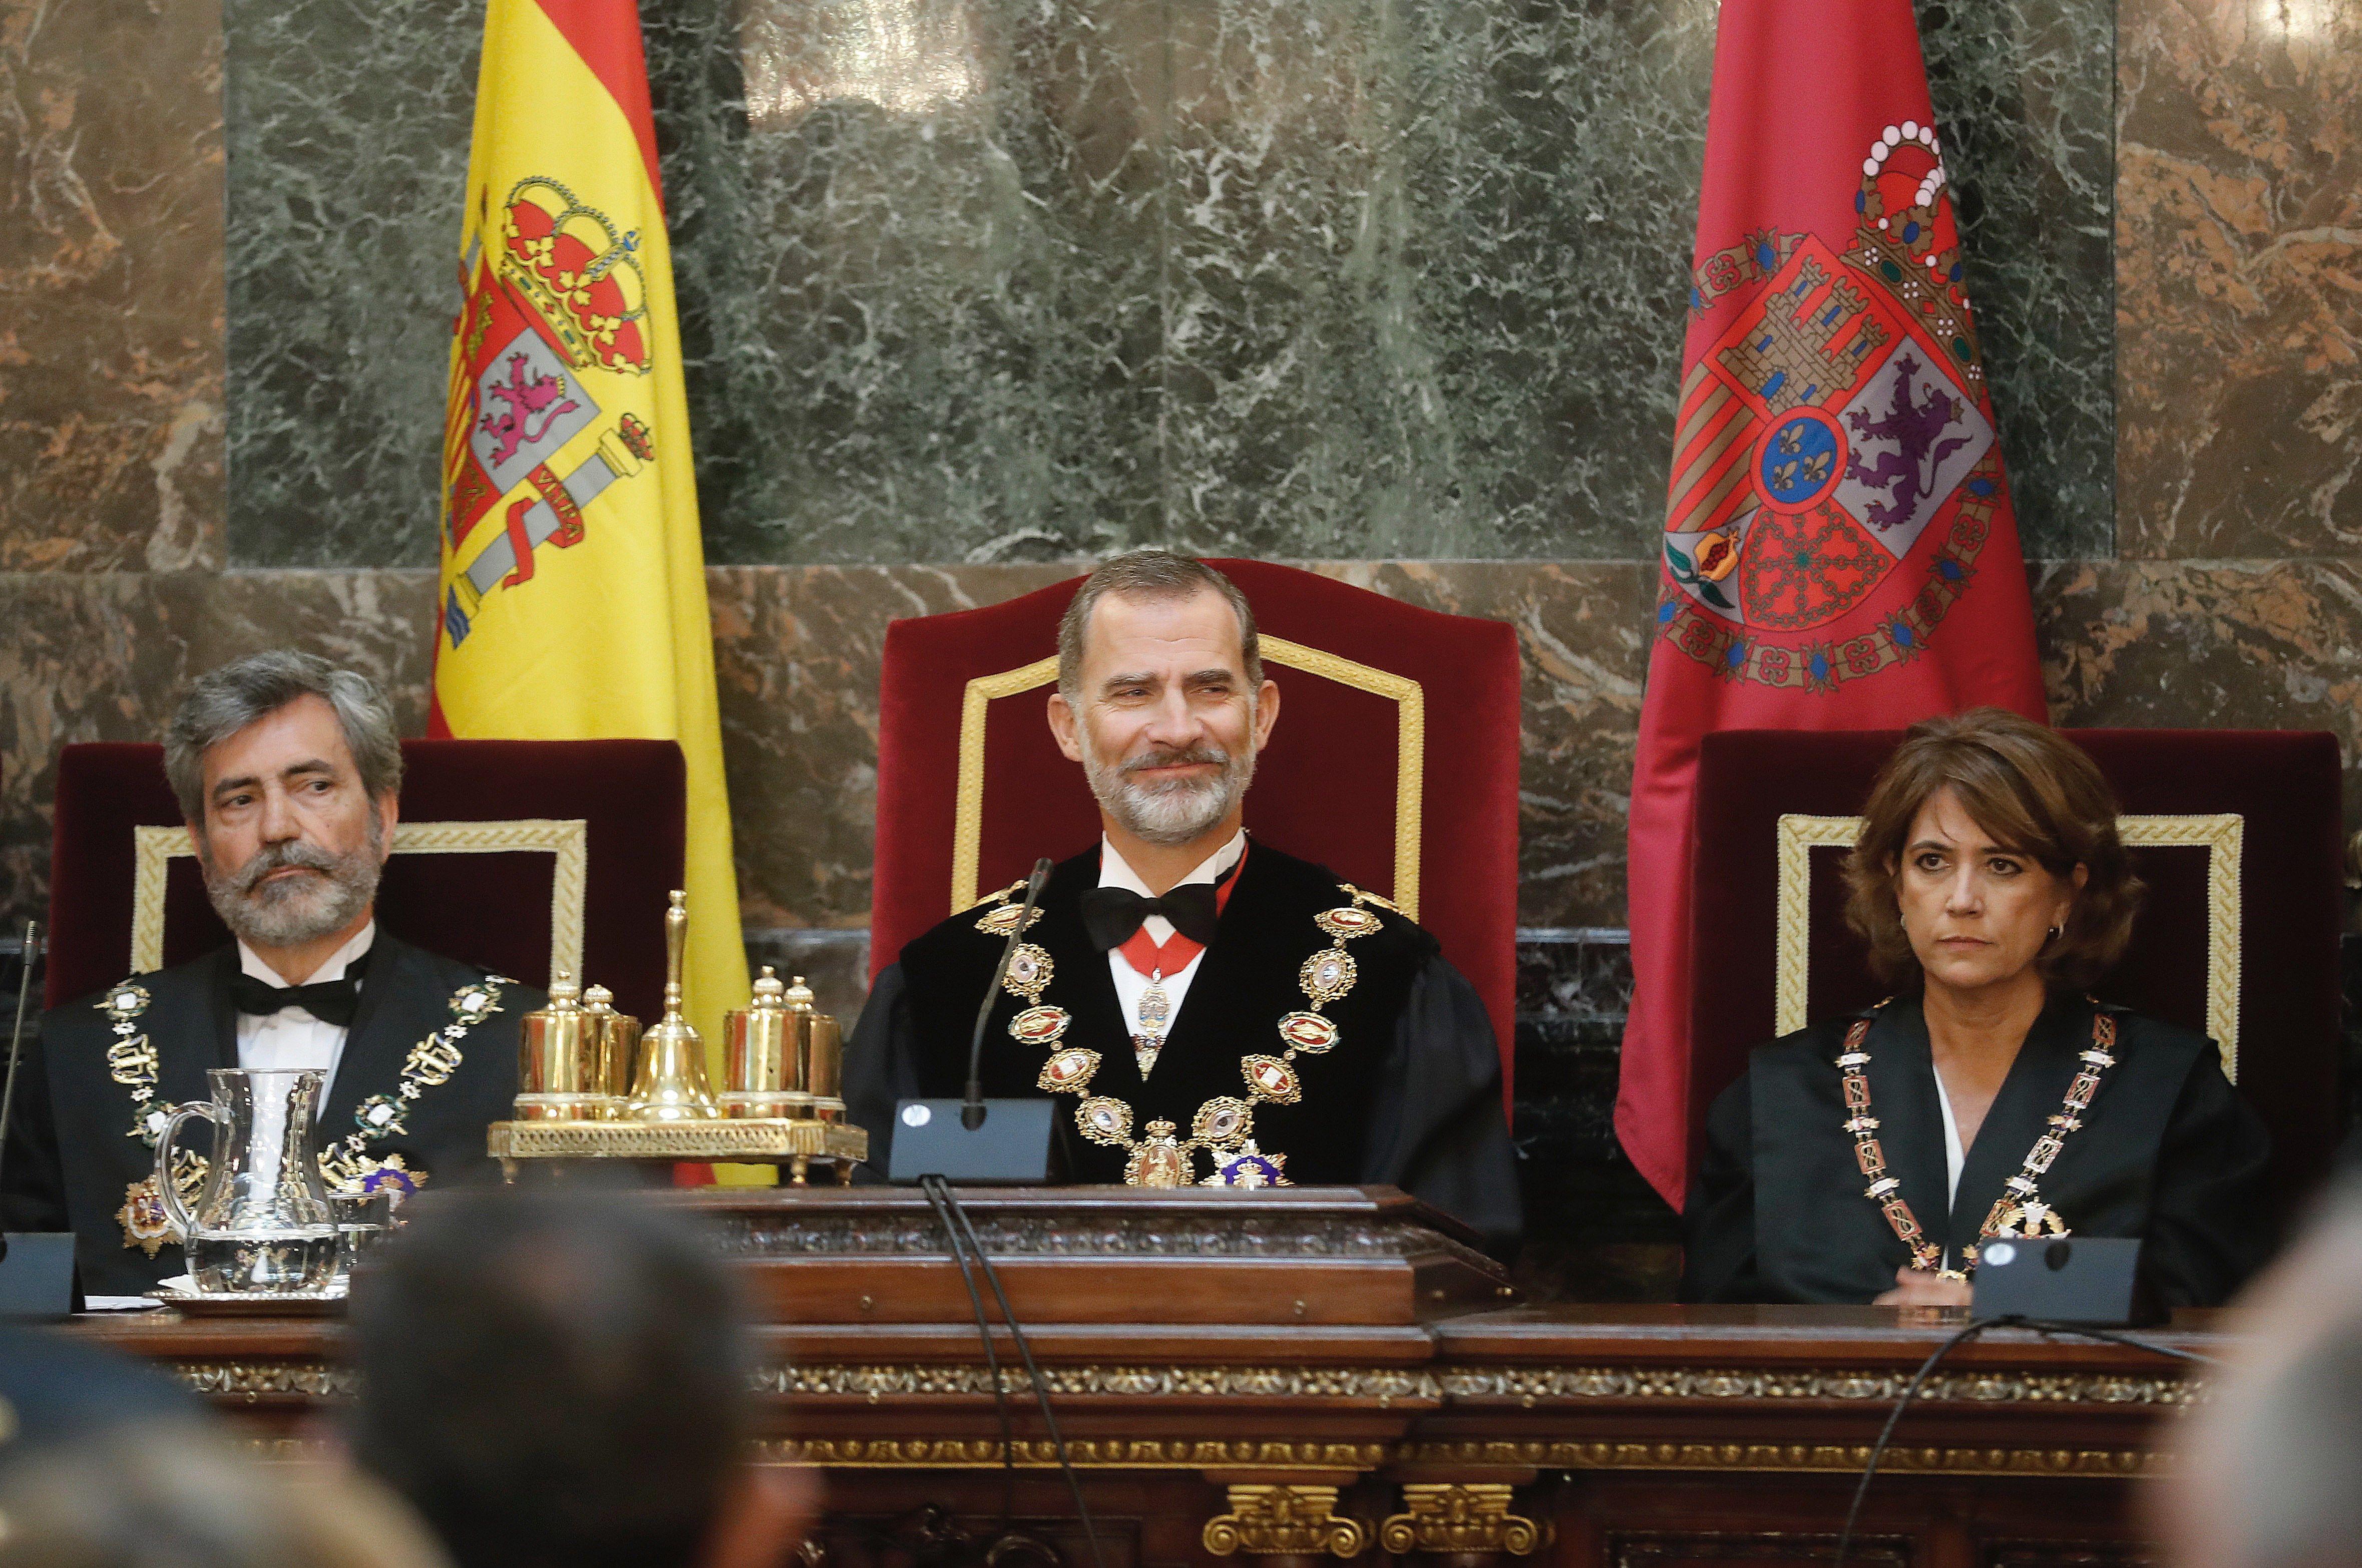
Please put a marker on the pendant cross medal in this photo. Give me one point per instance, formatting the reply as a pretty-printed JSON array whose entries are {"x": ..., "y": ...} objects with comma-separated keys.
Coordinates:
[{"x": 1155, "y": 1008}]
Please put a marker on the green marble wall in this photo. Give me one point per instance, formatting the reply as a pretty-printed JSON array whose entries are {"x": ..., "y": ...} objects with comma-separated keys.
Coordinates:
[{"x": 977, "y": 280}]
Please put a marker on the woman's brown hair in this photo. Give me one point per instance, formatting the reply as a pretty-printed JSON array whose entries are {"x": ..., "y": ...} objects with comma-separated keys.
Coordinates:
[{"x": 2039, "y": 794}]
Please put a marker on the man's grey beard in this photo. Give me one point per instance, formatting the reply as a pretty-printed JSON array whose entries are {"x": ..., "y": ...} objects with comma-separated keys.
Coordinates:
[
  {"x": 1178, "y": 809},
  {"x": 301, "y": 908}
]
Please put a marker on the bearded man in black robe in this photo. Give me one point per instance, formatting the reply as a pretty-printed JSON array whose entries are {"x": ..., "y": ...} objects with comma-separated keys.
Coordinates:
[
  {"x": 286, "y": 770},
  {"x": 1212, "y": 1009}
]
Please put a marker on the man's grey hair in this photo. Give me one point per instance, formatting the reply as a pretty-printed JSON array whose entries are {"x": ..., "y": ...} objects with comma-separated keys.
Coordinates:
[
  {"x": 1151, "y": 574},
  {"x": 226, "y": 700}
]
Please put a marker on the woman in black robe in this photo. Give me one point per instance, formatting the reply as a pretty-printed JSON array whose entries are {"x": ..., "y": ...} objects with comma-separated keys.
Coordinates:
[{"x": 1865, "y": 1159}]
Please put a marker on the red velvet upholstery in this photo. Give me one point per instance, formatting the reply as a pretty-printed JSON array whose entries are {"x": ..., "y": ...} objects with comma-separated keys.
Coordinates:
[
  {"x": 489, "y": 909},
  {"x": 1324, "y": 788},
  {"x": 2284, "y": 784}
]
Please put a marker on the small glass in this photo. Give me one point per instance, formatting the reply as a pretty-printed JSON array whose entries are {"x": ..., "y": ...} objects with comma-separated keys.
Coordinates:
[{"x": 363, "y": 1219}]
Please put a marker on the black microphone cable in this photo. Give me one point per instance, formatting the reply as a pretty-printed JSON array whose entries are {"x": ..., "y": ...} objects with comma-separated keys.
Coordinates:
[
  {"x": 15, "y": 1049},
  {"x": 2078, "y": 1331},
  {"x": 1025, "y": 1351},
  {"x": 991, "y": 1356},
  {"x": 1969, "y": 1331},
  {"x": 1878, "y": 1449}
]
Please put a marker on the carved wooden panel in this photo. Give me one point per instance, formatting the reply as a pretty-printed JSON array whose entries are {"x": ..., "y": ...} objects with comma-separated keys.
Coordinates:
[
  {"x": 1732, "y": 1549},
  {"x": 2070, "y": 1554},
  {"x": 933, "y": 1536}
]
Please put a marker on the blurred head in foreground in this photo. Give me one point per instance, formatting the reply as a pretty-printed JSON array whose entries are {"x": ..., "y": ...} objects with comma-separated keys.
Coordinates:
[
  {"x": 562, "y": 1378},
  {"x": 174, "y": 1496},
  {"x": 2271, "y": 1474}
]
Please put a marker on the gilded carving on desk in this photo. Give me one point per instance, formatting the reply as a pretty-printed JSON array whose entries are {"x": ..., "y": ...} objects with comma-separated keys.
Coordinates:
[
  {"x": 1461, "y": 1518},
  {"x": 1269, "y": 1519}
]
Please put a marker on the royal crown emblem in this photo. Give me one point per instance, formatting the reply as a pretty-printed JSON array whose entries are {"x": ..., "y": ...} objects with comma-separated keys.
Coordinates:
[
  {"x": 581, "y": 275},
  {"x": 1835, "y": 470}
]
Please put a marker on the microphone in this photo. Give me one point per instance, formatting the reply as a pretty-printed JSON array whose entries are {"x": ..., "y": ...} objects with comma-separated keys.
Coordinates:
[
  {"x": 972, "y": 1106},
  {"x": 16, "y": 1055}
]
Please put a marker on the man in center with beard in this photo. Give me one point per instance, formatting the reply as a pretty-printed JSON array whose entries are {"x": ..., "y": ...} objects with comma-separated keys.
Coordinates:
[
  {"x": 1207, "y": 1009},
  {"x": 286, "y": 770}
]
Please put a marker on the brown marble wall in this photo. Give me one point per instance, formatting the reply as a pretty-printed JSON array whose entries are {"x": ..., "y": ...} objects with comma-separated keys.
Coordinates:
[
  {"x": 111, "y": 268},
  {"x": 2272, "y": 643},
  {"x": 2239, "y": 279},
  {"x": 102, "y": 657}
]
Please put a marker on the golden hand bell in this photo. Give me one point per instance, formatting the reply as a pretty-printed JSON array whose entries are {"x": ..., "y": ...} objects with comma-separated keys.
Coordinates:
[{"x": 669, "y": 1085}]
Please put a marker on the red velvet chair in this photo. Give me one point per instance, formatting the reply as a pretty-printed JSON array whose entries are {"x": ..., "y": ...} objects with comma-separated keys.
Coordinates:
[
  {"x": 1395, "y": 762},
  {"x": 517, "y": 856},
  {"x": 2236, "y": 833}
]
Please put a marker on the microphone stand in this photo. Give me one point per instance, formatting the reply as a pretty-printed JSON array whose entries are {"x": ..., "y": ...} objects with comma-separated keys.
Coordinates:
[
  {"x": 972, "y": 1104},
  {"x": 15, "y": 1056}
]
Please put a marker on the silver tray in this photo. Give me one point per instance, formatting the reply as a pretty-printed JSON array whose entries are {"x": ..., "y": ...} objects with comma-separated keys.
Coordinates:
[{"x": 251, "y": 1303}]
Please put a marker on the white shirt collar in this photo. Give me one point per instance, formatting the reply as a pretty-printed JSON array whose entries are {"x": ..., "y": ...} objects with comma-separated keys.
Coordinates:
[
  {"x": 1115, "y": 872},
  {"x": 334, "y": 969}
]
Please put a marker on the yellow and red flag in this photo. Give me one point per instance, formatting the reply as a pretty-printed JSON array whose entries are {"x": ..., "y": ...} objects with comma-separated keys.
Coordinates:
[{"x": 573, "y": 584}]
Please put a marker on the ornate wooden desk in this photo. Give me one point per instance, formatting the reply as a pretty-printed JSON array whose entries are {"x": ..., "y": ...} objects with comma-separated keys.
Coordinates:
[{"x": 1337, "y": 1373}]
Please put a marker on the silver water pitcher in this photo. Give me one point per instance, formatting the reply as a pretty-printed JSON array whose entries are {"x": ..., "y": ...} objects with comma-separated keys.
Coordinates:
[{"x": 262, "y": 1222}]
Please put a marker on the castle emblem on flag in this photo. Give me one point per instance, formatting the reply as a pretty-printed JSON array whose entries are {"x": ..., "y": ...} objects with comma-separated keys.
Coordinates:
[
  {"x": 555, "y": 306},
  {"x": 1835, "y": 470}
]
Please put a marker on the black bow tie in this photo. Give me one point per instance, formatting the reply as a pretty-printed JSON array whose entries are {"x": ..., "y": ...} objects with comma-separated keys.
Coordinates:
[
  {"x": 332, "y": 1002},
  {"x": 1112, "y": 914}
]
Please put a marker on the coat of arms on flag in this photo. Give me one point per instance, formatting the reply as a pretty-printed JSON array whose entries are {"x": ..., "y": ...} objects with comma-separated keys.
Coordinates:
[
  {"x": 554, "y": 307},
  {"x": 1835, "y": 469},
  {"x": 1840, "y": 550}
]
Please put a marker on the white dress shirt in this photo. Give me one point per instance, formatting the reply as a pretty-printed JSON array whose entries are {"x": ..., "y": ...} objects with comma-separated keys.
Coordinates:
[
  {"x": 1955, "y": 1154},
  {"x": 1131, "y": 985},
  {"x": 292, "y": 1038}
]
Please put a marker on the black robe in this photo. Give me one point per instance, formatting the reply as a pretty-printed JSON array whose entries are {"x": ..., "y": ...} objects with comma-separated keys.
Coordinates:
[
  {"x": 2168, "y": 1153},
  {"x": 71, "y": 1155},
  {"x": 1411, "y": 1097}
]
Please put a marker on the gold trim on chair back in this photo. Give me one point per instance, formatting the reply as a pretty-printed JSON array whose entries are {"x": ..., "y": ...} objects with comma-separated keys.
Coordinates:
[
  {"x": 1410, "y": 756},
  {"x": 2223, "y": 836},
  {"x": 566, "y": 839}
]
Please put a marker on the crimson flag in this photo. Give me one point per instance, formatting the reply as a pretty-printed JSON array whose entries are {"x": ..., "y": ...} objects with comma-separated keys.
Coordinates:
[{"x": 1840, "y": 550}]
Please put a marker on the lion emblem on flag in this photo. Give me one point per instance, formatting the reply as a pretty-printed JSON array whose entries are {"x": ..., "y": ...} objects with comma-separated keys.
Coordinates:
[{"x": 1836, "y": 467}]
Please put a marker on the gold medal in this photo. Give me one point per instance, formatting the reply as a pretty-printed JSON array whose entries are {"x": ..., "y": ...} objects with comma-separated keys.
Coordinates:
[
  {"x": 1157, "y": 1160},
  {"x": 142, "y": 1217},
  {"x": 1029, "y": 970},
  {"x": 1328, "y": 974}
]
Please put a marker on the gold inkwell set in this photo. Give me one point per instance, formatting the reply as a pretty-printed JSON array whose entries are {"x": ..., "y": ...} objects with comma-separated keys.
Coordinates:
[{"x": 592, "y": 1085}]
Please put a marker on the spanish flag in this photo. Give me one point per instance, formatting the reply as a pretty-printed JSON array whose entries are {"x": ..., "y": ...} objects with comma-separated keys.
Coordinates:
[{"x": 573, "y": 582}]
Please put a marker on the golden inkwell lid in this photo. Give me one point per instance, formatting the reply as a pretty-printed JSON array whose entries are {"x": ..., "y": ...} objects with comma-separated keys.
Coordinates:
[
  {"x": 762, "y": 1051},
  {"x": 613, "y": 1041}
]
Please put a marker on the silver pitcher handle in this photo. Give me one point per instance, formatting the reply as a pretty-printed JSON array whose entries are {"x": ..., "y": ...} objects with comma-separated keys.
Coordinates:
[{"x": 176, "y": 1213}]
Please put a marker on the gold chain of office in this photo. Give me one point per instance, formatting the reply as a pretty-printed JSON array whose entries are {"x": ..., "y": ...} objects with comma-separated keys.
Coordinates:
[
  {"x": 1223, "y": 1127},
  {"x": 2020, "y": 1210}
]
